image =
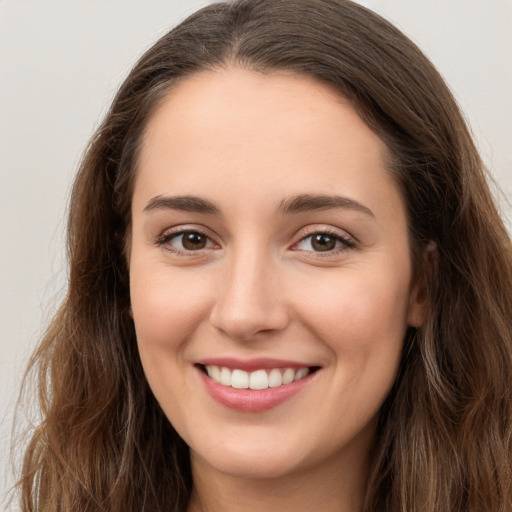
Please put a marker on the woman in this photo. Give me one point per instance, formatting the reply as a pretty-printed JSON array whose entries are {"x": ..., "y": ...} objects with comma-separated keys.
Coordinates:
[{"x": 289, "y": 286}]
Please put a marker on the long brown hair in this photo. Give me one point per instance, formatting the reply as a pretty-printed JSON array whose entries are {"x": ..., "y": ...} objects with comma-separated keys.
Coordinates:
[{"x": 444, "y": 437}]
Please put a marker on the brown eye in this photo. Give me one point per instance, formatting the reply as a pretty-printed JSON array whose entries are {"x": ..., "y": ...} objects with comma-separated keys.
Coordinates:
[
  {"x": 186, "y": 241},
  {"x": 323, "y": 242},
  {"x": 193, "y": 241}
]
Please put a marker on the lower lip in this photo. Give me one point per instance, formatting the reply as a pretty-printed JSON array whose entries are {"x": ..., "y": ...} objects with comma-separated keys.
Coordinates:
[{"x": 250, "y": 400}]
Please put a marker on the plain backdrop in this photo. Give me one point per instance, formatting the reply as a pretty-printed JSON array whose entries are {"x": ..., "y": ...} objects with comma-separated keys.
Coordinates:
[{"x": 60, "y": 65}]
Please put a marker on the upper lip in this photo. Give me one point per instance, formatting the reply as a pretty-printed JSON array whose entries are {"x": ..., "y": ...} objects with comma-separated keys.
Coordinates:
[{"x": 249, "y": 365}]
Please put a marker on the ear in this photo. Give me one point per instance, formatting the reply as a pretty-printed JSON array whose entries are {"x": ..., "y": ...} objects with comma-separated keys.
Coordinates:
[{"x": 418, "y": 300}]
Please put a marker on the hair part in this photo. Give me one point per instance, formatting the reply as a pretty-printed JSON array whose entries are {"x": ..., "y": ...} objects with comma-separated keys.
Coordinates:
[{"x": 444, "y": 436}]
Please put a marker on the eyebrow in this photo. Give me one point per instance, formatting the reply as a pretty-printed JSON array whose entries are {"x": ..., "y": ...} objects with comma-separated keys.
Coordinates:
[
  {"x": 308, "y": 202},
  {"x": 183, "y": 203},
  {"x": 295, "y": 204}
]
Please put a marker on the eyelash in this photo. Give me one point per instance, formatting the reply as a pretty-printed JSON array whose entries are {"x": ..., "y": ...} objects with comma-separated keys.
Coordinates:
[
  {"x": 346, "y": 242},
  {"x": 167, "y": 237}
]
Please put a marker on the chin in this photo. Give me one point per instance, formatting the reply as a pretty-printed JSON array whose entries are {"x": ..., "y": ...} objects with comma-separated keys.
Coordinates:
[{"x": 251, "y": 461}]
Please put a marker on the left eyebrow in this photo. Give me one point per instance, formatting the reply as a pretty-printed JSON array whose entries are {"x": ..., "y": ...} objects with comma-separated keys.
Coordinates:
[{"x": 308, "y": 202}]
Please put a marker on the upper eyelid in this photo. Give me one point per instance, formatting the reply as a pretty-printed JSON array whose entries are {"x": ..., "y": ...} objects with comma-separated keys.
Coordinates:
[
  {"x": 185, "y": 228},
  {"x": 319, "y": 228}
]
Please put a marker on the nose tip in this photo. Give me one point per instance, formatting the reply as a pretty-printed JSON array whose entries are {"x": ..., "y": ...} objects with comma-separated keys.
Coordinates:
[
  {"x": 249, "y": 304},
  {"x": 247, "y": 325}
]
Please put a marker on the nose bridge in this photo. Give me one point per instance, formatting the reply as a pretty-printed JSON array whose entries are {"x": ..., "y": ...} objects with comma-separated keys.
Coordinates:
[{"x": 249, "y": 300}]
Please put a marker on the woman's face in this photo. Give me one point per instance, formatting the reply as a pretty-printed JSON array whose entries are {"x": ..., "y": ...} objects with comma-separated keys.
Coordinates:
[{"x": 269, "y": 249}]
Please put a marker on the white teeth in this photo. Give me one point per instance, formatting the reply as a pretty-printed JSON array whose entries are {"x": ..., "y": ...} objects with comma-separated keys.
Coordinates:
[
  {"x": 275, "y": 378},
  {"x": 239, "y": 379},
  {"x": 259, "y": 379},
  {"x": 301, "y": 374},
  {"x": 288, "y": 376},
  {"x": 225, "y": 377},
  {"x": 214, "y": 373}
]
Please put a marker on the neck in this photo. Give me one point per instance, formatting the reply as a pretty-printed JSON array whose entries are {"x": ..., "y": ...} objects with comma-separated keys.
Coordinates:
[{"x": 329, "y": 487}]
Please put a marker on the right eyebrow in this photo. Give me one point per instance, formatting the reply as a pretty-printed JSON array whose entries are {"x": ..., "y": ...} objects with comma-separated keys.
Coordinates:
[{"x": 183, "y": 203}]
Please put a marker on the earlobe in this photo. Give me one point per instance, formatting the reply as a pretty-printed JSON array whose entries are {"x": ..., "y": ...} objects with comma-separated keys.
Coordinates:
[
  {"x": 417, "y": 305},
  {"x": 418, "y": 299}
]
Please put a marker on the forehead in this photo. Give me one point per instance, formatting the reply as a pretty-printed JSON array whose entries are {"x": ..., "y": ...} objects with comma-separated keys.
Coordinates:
[
  {"x": 259, "y": 133},
  {"x": 254, "y": 108}
]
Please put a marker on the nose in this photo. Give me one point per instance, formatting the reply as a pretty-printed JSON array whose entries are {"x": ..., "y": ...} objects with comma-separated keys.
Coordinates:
[{"x": 250, "y": 299}]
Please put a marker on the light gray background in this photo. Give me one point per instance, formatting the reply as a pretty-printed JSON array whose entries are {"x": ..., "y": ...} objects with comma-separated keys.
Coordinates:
[{"x": 60, "y": 65}]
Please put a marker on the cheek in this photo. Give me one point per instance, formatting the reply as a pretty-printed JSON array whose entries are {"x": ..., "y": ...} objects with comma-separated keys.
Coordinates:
[
  {"x": 166, "y": 306},
  {"x": 360, "y": 315}
]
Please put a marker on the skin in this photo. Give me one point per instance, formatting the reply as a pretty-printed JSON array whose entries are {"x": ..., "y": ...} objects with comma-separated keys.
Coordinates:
[{"x": 247, "y": 143}]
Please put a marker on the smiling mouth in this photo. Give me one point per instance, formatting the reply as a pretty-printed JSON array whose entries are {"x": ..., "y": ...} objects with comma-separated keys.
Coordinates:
[{"x": 256, "y": 380}]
